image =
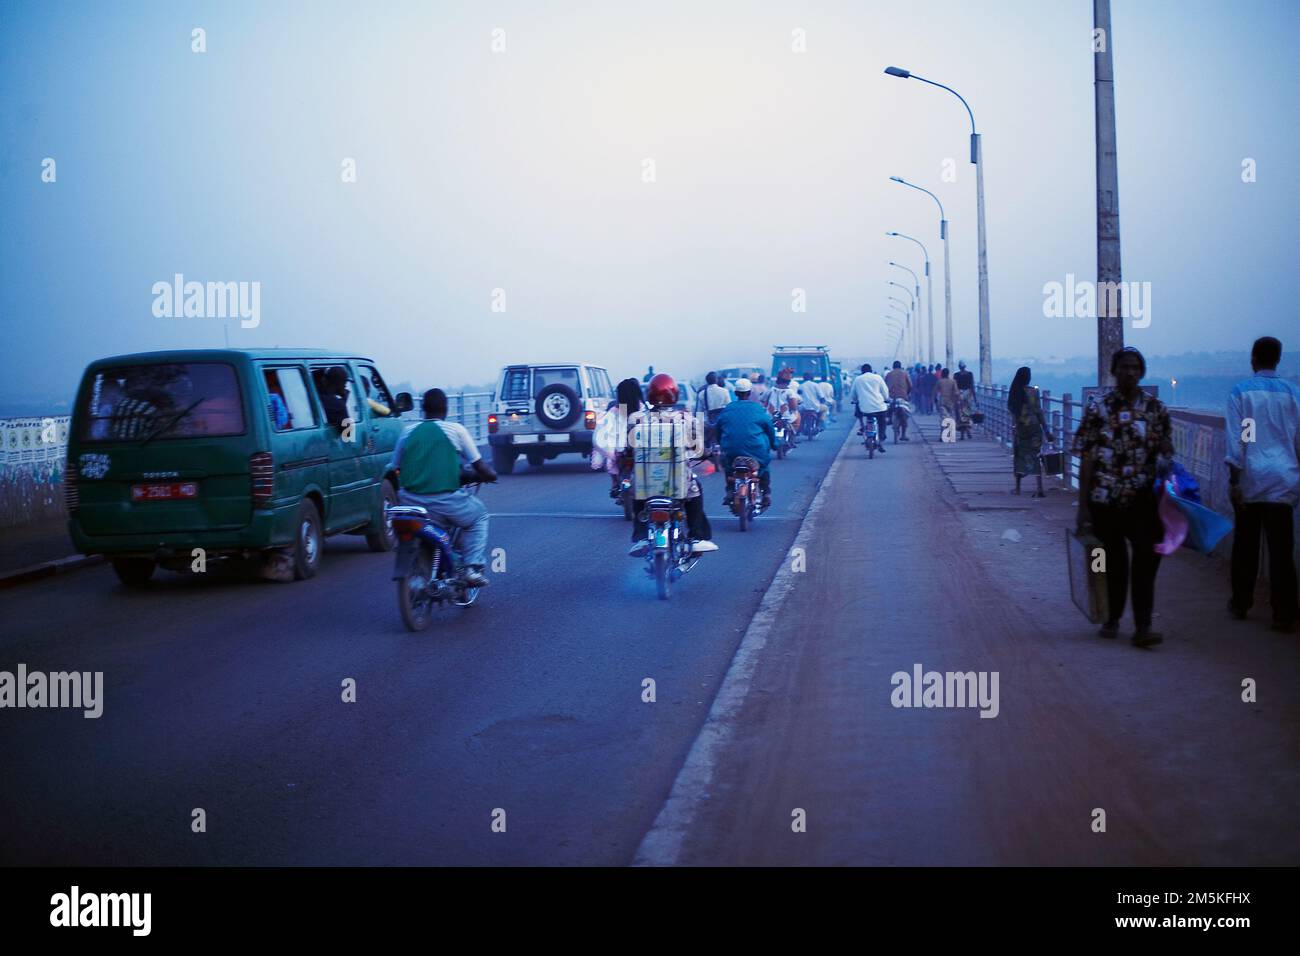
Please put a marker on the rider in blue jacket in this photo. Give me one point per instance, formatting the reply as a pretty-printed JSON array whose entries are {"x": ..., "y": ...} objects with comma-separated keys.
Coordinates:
[{"x": 745, "y": 428}]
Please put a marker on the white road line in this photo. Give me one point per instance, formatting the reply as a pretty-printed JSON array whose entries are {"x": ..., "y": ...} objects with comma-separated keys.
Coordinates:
[{"x": 662, "y": 845}]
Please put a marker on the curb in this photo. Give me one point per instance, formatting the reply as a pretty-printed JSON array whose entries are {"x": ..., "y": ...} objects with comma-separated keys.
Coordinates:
[
  {"x": 45, "y": 569},
  {"x": 663, "y": 843}
]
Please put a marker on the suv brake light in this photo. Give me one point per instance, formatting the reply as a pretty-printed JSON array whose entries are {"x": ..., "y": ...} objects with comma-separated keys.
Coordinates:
[
  {"x": 261, "y": 469},
  {"x": 590, "y": 419},
  {"x": 493, "y": 424}
]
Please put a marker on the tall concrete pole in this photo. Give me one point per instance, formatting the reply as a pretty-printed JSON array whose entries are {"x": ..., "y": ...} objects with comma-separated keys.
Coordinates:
[
  {"x": 1110, "y": 321},
  {"x": 929, "y": 306},
  {"x": 947, "y": 298},
  {"x": 986, "y": 348}
]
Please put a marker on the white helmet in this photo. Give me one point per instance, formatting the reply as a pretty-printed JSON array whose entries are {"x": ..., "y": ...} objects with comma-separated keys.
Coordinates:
[{"x": 743, "y": 385}]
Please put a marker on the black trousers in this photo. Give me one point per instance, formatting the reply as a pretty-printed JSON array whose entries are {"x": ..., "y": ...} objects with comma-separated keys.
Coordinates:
[
  {"x": 1117, "y": 527},
  {"x": 1275, "y": 521},
  {"x": 697, "y": 522}
]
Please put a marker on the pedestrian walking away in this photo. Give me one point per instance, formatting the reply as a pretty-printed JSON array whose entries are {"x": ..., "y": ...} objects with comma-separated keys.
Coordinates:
[
  {"x": 1263, "y": 457},
  {"x": 1029, "y": 427}
]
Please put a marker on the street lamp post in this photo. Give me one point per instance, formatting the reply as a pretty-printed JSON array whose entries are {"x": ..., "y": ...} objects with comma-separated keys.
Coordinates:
[
  {"x": 901, "y": 307},
  {"x": 1110, "y": 322},
  {"x": 976, "y": 157},
  {"x": 918, "y": 348},
  {"x": 911, "y": 309},
  {"x": 893, "y": 324},
  {"x": 947, "y": 271},
  {"x": 929, "y": 290}
]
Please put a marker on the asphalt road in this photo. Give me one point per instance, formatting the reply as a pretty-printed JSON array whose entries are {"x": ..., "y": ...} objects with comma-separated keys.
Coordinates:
[{"x": 225, "y": 694}]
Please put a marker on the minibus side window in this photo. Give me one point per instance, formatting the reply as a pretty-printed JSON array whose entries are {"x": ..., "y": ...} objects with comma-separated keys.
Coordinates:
[
  {"x": 378, "y": 397},
  {"x": 288, "y": 404},
  {"x": 336, "y": 411}
]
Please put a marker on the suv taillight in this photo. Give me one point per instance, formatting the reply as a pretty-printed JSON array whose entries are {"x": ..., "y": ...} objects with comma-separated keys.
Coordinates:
[
  {"x": 590, "y": 420},
  {"x": 261, "y": 468},
  {"x": 493, "y": 424},
  {"x": 71, "y": 495}
]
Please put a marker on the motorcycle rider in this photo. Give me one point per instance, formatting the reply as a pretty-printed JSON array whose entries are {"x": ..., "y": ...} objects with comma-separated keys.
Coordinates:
[
  {"x": 428, "y": 460},
  {"x": 783, "y": 402},
  {"x": 900, "y": 388},
  {"x": 871, "y": 397},
  {"x": 810, "y": 397},
  {"x": 745, "y": 428},
  {"x": 661, "y": 394}
]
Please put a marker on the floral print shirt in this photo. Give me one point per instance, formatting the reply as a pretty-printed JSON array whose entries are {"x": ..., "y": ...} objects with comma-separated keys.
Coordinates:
[{"x": 1124, "y": 440}]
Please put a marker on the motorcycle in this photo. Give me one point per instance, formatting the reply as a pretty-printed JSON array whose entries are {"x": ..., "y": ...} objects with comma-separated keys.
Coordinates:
[
  {"x": 784, "y": 440},
  {"x": 899, "y": 410},
  {"x": 810, "y": 425},
  {"x": 426, "y": 569},
  {"x": 623, "y": 492},
  {"x": 746, "y": 499},
  {"x": 870, "y": 438},
  {"x": 670, "y": 554}
]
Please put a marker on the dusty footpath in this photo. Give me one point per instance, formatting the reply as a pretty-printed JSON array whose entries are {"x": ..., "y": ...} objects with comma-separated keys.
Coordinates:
[{"x": 906, "y": 567}]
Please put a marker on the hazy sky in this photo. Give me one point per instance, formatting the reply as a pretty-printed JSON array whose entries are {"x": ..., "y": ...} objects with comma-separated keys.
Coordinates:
[{"x": 523, "y": 170}]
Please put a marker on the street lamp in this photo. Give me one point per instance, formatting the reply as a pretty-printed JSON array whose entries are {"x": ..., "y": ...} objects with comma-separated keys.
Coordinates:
[
  {"x": 918, "y": 348},
  {"x": 929, "y": 289},
  {"x": 894, "y": 325},
  {"x": 947, "y": 271},
  {"x": 911, "y": 306},
  {"x": 976, "y": 157}
]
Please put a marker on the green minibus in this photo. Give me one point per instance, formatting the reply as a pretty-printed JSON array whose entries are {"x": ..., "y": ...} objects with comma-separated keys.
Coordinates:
[{"x": 188, "y": 456}]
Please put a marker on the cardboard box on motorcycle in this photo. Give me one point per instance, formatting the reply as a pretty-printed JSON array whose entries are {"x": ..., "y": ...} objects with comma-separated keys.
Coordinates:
[{"x": 661, "y": 452}]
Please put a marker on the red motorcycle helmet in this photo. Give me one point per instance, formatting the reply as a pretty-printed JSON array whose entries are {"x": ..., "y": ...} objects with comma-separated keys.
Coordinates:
[{"x": 662, "y": 390}]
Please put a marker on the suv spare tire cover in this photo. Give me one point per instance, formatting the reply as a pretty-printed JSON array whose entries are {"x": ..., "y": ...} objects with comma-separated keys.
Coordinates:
[{"x": 558, "y": 406}]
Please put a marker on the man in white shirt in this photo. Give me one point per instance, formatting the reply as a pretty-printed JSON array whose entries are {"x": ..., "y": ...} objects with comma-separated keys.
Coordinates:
[
  {"x": 871, "y": 397},
  {"x": 810, "y": 397},
  {"x": 1263, "y": 455},
  {"x": 828, "y": 397},
  {"x": 716, "y": 396}
]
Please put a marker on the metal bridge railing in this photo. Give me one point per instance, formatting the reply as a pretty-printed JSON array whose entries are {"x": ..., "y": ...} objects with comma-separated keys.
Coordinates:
[
  {"x": 1199, "y": 439},
  {"x": 31, "y": 466}
]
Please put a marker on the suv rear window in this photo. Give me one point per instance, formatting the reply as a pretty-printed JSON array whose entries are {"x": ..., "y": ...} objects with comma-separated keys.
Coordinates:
[
  {"x": 800, "y": 363},
  {"x": 550, "y": 376},
  {"x": 514, "y": 387},
  {"x": 139, "y": 402}
]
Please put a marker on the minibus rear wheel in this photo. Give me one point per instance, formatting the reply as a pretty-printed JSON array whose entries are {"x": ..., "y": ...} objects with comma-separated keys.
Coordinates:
[
  {"x": 134, "y": 572},
  {"x": 308, "y": 541}
]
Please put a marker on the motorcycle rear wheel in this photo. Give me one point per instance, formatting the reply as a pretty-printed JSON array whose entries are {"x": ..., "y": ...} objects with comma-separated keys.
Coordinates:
[
  {"x": 663, "y": 584},
  {"x": 412, "y": 597}
]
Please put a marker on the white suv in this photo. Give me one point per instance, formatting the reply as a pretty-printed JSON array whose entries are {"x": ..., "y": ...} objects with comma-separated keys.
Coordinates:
[{"x": 541, "y": 411}]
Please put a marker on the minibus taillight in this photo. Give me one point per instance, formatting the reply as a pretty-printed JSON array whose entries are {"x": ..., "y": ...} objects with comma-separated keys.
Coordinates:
[{"x": 261, "y": 469}]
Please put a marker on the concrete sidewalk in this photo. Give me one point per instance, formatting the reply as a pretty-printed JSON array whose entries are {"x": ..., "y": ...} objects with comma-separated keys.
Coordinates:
[
  {"x": 922, "y": 556},
  {"x": 36, "y": 550}
]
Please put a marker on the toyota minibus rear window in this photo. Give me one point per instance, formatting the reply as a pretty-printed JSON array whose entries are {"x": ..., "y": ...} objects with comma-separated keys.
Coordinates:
[{"x": 157, "y": 402}]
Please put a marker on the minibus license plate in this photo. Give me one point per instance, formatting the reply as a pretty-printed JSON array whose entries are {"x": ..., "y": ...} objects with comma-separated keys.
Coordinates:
[{"x": 165, "y": 491}]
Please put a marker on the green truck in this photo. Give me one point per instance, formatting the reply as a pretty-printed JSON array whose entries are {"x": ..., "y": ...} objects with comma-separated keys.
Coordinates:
[{"x": 180, "y": 456}]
